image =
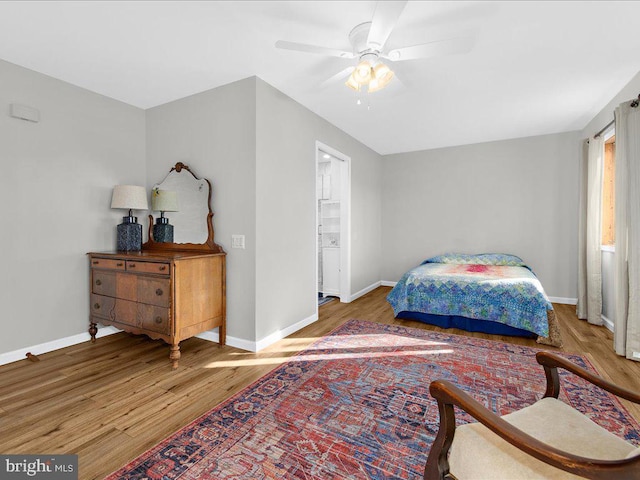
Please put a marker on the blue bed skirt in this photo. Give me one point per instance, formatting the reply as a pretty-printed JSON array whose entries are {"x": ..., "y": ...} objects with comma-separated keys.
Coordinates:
[{"x": 468, "y": 324}]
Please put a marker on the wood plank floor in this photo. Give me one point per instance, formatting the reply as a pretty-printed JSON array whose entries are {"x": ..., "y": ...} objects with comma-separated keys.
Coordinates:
[{"x": 112, "y": 400}]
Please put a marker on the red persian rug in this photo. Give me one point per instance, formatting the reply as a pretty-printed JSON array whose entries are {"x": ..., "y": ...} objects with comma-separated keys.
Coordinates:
[{"x": 356, "y": 405}]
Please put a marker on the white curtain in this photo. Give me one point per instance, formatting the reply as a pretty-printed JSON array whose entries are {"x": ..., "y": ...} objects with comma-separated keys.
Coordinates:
[
  {"x": 581, "y": 307},
  {"x": 627, "y": 224},
  {"x": 590, "y": 264}
]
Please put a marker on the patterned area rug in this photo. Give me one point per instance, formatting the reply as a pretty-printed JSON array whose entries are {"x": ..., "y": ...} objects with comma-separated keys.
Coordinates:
[{"x": 356, "y": 405}]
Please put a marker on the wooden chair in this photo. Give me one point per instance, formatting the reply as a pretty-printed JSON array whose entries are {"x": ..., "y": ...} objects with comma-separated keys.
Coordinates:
[{"x": 548, "y": 439}]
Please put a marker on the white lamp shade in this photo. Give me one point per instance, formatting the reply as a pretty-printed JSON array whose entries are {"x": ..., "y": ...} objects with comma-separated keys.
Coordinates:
[
  {"x": 380, "y": 71},
  {"x": 382, "y": 75},
  {"x": 374, "y": 86},
  {"x": 164, "y": 201},
  {"x": 362, "y": 73},
  {"x": 129, "y": 197}
]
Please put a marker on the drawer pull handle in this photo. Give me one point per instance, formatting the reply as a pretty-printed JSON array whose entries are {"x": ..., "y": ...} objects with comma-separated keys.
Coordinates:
[
  {"x": 98, "y": 282},
  {"x": 163, "y": 268},
  {"x": 96, "y": 262},
  {"x": 118, "y": 264},
  {"x": 158, "y": 319},
  {"x": 159, "y": 292},
  {"x": 132, "y": 265},
  {"x": 96, "y": 306}
]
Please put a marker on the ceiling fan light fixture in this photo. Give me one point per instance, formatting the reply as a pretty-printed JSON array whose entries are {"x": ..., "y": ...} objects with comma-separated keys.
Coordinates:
[
  {"x": 375, "y": 76},
  {"x": 352, "y": 83}
]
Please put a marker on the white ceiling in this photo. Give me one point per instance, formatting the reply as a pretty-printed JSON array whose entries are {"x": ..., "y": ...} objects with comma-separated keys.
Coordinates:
[{"x": 536, "y": 67}]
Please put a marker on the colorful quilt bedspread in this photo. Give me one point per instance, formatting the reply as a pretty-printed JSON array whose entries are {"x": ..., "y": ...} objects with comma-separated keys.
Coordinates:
[{"x": 495, "y": 287}]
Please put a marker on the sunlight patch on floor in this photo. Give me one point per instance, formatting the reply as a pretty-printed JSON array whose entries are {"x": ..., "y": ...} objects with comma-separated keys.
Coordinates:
[
  {"x": 300, "y": 344},
  {"x": 310, "y": 357},
  {"x": 247, "y": 362},
  {"x": 374, "y": 340}
]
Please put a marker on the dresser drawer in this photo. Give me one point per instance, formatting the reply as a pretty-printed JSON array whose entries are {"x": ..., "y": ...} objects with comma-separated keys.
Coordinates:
[
  {"x": 147, "y": 267},
  {"x": 107, "y": 263},
  {"x": 144, "y": 289},
  {"x": 147, "y": 317},
  {"x": 153, "y": 291},
  {"x": 103, "y": 282},
  {"x": 126, "y": 312},
  {"x": 155, "y": 318},
  {"x": 102, "y": 306}
]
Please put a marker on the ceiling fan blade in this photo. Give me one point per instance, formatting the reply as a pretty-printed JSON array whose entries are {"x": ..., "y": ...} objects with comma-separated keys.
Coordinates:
[
  {"x": 303, "y": 47},
  {"x": 341, "y": 76},
  {"x": 438, "y": 48},
  {"x": 402, "y": 77},
  {"x": 385, "y": 17}
]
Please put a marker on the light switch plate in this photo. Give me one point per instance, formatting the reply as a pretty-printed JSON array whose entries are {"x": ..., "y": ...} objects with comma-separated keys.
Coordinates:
[{"x": 237, "y": 241}]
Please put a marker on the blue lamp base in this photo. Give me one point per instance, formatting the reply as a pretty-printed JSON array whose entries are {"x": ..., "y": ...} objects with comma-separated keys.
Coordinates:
[
  {"x": 163, "y": 231},
  {"x": 129, "y": 235}
]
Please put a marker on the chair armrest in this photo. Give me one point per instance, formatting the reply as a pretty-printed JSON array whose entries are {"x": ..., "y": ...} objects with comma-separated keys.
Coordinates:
[
  {"x": 448, "y": 395},
  {"x": 551, "y": 361}
]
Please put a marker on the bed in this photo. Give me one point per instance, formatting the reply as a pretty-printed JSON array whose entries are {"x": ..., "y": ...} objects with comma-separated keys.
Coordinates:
[{"x": 491, "y": 293}]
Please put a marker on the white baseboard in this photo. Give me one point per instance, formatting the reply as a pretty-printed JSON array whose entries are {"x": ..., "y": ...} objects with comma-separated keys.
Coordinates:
[
  {"x": 250, "y": 346},
  {"x": 607, "y": 323},
  {"x": 213, "y": 336},
  {"x": 564, "y": 300},
  {"x": 280, "y": 334},
  {"x": 364, "y": 291},
  {"x": 386, "y": 283},
  {"x": 42, "y": 348}
]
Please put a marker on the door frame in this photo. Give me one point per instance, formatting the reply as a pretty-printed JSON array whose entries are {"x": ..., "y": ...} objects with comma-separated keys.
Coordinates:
[{"x": 345, "y": 220}]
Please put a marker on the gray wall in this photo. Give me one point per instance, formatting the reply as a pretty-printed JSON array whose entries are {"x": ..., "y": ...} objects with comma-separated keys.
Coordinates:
[
  {"x": 257, "y": 146},
  {"x": 286, "y": 209},
  {"x": 214, "y": 133},
  {"x": 515, "y": 196},
  {"x": 56, "y": 183}
]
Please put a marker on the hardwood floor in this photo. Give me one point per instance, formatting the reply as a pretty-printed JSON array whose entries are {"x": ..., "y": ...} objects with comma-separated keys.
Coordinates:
[{"x": 112, "y": 400}]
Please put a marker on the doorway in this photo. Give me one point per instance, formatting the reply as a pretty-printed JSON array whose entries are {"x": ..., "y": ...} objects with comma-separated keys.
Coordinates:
[{"x": 333, "y": 195}]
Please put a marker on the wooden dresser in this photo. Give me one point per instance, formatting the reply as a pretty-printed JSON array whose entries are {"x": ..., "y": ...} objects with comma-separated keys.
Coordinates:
[
  {"x": 163, "y": 294},
  {"x": 169, "y": 291}
]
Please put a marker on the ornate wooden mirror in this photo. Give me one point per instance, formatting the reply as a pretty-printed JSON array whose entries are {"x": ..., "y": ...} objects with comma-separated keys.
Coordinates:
[{"x": 192, "y": 220}]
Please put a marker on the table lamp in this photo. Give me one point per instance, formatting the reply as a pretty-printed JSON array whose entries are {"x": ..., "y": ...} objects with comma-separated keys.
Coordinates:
[
  {"x": 129, "y": 232},
  {"x": 163, "y": 201}
]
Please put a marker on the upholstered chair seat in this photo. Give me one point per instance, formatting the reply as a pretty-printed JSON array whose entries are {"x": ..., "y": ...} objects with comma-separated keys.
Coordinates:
[
  {"x": 546, "y": 440},
  {"x": 479, "y": 453}
]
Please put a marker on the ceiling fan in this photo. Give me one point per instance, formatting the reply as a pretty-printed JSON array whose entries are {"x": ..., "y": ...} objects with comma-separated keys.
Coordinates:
[{"x": 368, "y": 41}]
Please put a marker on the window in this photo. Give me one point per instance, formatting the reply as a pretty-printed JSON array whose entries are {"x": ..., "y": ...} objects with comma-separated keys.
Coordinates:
[{"x": 608, "y": 191}]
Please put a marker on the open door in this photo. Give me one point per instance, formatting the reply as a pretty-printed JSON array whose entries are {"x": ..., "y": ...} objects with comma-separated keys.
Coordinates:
[{"x": 333, "y": 195}]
